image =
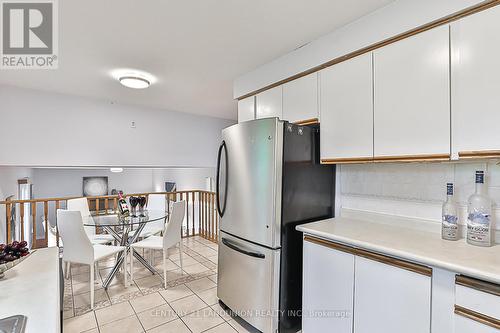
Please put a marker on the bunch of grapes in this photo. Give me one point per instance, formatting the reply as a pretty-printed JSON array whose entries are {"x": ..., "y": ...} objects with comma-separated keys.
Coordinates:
[{"x": 13, "y": 251}]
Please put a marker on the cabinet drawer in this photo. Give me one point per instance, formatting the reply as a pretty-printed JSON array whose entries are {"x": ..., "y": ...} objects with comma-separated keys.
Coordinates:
[
  {"x": 477, "y": 295},
  {"x": 478, "y": 301}
]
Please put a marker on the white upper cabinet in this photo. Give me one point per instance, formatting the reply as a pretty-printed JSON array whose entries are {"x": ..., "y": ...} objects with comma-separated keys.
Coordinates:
[
  {"x": 300, "y": 99},
  {"x": 246, "y": 109},
  {"x": 411, "y": 97},
  {"x": 390, "y": 299},
  {"x": 475, "y": 83},
  {"x": 270, "y": 103},
  {"x": 346, "y": 105}
]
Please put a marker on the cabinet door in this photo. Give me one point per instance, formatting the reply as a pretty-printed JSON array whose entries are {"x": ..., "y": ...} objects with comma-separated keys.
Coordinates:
[
  {"x": 466, "y": 325},
  {"x": 346, "y": 105},
  {"x": 476, "y": 82},
  {"x": 328, "y": 286},
  {"x": 390, "y": 299},
  {"x": 300, "y": 99},
  {"x": 412, "y": 98},
  {"x": 269, "y": 103},
  {"x": 246, "y": 109}
]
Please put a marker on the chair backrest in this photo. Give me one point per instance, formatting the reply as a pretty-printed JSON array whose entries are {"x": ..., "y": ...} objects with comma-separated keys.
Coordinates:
[
  {"x": 82, "y": 205},
  {"x": 77, "y": 246},
  {"x": 173, "y": 229},
  {"x": 157, "y": 202}
]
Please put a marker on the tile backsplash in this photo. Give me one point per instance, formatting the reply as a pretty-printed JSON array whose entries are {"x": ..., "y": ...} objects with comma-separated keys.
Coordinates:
[{"x": 414, "y": 189}]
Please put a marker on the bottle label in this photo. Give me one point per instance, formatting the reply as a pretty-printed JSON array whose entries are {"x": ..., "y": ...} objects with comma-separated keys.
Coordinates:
[
  {"x": 478, "y": 227},
  {"x": 479, "y": 177},
  {"x": 449, "y": 189},
  {"x": 450, "y": 227}
]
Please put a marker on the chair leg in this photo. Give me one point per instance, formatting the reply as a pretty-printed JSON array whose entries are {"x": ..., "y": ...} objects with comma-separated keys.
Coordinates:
[
  {"x": 92, "y": 286},
  {"x": 96, "y": 269},
  {"x": 66, "y": 269},
  {"x": 164, "y": 270},
  {"x": 125, "y": 268},
  {"x": 131, "y": 266},
  {"x": 180, "y": 256}
]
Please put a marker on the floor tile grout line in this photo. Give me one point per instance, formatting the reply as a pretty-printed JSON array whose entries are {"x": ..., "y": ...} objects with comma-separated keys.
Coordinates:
[{"x": 140, "y": 322}]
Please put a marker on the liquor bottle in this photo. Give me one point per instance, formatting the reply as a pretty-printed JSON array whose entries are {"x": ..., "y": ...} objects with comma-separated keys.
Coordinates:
[
  {"x": 122, "y": 205},
  {"x": 449, "y": 225},
  {"x": 479, "y": 215}
]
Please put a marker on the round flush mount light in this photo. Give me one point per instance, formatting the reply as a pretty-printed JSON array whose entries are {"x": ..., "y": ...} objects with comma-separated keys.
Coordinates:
[
  {"x": 134, "y": 82},
  {"x": 133, "y": 78},
  {"x": 116, "y": 170}
]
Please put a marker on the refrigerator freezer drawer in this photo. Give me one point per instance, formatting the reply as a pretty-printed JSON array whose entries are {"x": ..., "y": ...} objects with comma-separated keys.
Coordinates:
[{"x": 248, "y": 281}]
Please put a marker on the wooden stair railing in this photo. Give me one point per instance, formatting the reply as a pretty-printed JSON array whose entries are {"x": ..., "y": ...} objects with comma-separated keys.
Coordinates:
[{"x": 201, "y": 215}]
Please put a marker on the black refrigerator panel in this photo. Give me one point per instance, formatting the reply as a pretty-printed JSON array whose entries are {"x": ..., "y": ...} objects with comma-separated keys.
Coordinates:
[{"x": 308, "y": 194}]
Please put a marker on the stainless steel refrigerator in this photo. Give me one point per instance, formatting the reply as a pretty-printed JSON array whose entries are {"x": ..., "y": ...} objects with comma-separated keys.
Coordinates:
[{"x": 269, "y": 180}]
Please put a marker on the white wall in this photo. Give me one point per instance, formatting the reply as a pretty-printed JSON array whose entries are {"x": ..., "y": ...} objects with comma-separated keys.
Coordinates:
[
  {"x": 389, "y": 21},
  {"x": 185, "y": 179},
  {"x": 47, "y": 129},
  {"x": 8, "y": 187},
  {"x": 415, "y": 190}
]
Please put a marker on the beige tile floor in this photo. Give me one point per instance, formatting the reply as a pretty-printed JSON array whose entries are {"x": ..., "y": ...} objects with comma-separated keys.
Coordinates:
[{"x": 189, "y": 304}]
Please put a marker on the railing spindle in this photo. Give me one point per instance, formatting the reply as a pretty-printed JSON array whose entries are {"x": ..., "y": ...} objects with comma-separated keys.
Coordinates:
[
  {"x": 57, "y": 228},
  {"x": 46, "y": 218},
  {"x": 33, "y": 216},
  {"x": 21, "y": 214}
]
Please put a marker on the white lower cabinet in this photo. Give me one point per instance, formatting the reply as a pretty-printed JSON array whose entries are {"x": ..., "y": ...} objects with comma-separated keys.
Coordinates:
[
  {"x": 328, "y": 287},
  {"x": 466, "y": 325},
  {"x": 344, "y": 292},
  {"x": 390, "y": 299}
]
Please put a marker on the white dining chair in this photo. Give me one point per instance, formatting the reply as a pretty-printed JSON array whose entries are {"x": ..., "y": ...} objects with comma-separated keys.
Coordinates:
[
  {"x": 155, "y": 202},
  {"x": 79, "y": 249},
  {"x": 82, "y": 205},
  {"x": 171, "y": 237}
]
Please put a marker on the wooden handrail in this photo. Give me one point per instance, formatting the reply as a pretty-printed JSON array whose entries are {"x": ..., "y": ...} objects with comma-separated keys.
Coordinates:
[{"x": 201, "y": 215}]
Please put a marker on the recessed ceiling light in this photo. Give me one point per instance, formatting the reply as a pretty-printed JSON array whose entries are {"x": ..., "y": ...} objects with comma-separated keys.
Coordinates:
[
  {"x": 134, "y": 82},
  {"x": 116, "y": 169}
]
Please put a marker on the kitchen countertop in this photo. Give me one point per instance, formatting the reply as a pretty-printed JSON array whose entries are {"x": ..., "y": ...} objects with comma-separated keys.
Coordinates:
[
  {"x": 423, "y": 247},
  {"x": 32, "y": 289}
]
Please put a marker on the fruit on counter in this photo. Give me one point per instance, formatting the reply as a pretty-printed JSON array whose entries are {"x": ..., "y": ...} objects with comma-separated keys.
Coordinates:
[{"x": 13, "y": 251}]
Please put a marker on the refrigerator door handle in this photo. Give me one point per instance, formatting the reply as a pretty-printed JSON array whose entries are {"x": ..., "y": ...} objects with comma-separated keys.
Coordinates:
[
  {"x": 221, "y": 209},
  {"x": 235, "y": 247}
]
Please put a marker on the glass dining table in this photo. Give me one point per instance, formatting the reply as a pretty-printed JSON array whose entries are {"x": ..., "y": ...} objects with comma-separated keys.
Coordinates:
[{"x": 126, "y": 231}]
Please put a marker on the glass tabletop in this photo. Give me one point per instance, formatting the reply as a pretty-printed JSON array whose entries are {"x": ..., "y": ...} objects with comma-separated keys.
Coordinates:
[{"x": 114, "y": 220}]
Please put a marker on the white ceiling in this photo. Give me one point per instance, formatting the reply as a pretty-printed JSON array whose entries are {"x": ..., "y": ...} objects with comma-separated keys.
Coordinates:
[{"x": 195, "y": 48}]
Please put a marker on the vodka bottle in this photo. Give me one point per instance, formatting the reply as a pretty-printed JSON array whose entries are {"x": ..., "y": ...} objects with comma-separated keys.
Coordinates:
[
  {"x": 479, "y": 215},
  {"x": 122, "y": 205},
  {"x": 449, "y": 225}
]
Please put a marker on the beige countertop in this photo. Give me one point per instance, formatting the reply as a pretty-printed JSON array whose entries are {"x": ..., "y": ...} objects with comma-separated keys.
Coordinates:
[
  {"x": 419, "y": 246},
  {"x": 32, "y": 289}
]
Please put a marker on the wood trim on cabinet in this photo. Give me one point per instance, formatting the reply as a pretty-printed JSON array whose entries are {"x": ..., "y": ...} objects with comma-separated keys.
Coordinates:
[
  {"x": 476, "y": 316},
  {"x": 413, "y": 158},
  {"x": 442, "y": 21},
  {"x": 479, "y": 154},
  {"x": 409, "y": 266},
  {"x": 332, "y": 245},
  {"x": 484, "y": 286},
  {"x": 347, "y": 160},
  {"x": 312, "y": 121}
]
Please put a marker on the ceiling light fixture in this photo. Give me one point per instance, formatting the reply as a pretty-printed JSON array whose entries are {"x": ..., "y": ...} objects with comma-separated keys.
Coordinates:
[
  {"x": 116, "y": 170},
  {"x": 134, "y": 82}
]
